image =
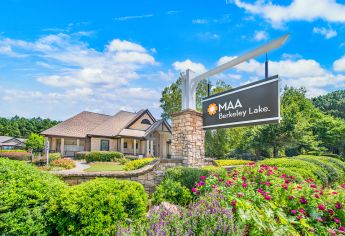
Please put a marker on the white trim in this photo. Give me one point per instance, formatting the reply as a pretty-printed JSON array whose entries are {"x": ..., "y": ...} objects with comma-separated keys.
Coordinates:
[
  {"x": 241, "y": 89},
  {"x": 243, "y": 122}
]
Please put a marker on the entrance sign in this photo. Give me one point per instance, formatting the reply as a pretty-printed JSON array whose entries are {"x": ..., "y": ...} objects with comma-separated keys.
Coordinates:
[
  {"x": 251, "y": 104},
  {"x": 190, "y": 81}
]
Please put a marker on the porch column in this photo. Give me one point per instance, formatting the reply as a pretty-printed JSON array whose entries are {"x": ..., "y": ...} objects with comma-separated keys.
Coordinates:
[
  {"x": 78, "y": 144},
  {"x": 62, "y": 147},
  {"x": 134, "y": 147},
  {"x": 151, "y": 147},
  {"x": 147, "y": 148},
  {"x": 121, "y": 145}
]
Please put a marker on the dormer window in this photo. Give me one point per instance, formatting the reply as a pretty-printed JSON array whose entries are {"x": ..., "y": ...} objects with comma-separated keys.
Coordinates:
[{"x": 146, "y": 122}]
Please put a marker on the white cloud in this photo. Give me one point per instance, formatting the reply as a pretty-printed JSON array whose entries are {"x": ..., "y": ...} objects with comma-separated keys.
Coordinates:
[
  {"x": 200, "y": 21},
  {"x": 297, "y": 73},
  {"x": 339, "y": 65},
  {"x": 124, "y": 18},
  {"x": 327, "y": 33},
  {"x": 260, "y": 35},
  {"x": 182, "y": 66},
  {"x": 297, "y": 10},
  {"x": 78, "y": 77},
  {"x": 208, "y": 36}
]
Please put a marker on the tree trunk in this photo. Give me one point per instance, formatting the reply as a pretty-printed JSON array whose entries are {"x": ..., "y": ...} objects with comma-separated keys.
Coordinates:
[{"x": 275, "y": 151}]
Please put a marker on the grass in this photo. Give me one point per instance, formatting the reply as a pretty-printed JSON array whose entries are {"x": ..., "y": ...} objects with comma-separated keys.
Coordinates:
[{"x": 104, "y": 167}]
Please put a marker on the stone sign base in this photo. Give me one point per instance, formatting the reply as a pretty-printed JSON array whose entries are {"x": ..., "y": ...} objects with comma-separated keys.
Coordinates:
[{"x": 188, "y": 138}]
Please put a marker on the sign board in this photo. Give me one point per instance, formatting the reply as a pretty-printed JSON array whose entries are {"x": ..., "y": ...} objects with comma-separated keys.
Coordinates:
[{"x": 251, "y": 104}]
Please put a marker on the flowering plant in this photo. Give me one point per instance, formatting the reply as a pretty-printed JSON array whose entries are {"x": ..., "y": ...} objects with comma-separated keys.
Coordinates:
[{"x": 268, "y": 201}]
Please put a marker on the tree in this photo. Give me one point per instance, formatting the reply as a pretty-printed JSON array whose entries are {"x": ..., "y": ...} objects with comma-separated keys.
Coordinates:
[
  {"x": 332, "y": 103},
  {"x": 35, "y": 142}
]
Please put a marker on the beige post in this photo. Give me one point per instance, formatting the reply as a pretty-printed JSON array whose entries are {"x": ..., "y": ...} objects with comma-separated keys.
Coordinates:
[
  {"x": 147, "y": 148},
  {"x": 122, "y": 144},
  {"x": 134, "y": 147},
  {"x": 62, "y": 147}
]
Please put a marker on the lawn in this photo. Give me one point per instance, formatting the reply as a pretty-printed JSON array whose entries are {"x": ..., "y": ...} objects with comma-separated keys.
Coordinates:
[{"x": 105, "y": 167}]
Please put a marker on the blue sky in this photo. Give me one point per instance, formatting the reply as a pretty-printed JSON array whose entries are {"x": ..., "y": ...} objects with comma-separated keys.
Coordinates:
[{"x": 58, "y": 58}]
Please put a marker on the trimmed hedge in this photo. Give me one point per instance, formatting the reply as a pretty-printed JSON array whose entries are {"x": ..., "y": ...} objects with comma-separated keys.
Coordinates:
[
  {"x": 187, "y": 176},
  {"x": 172, "y": 191},
  {"x": 136, "y": 164},
  {"x": 16, "y": 155},
  {"x": 64, "y": 163},
  {"x": 99, "y": 156},
  {"x": 24, "y": 195},
  {"x": 232, "y": 162},
  {"x": 96, "y": 207},
  {"x": 215, "y": 170},
  {"x": 304, "y": 168}
]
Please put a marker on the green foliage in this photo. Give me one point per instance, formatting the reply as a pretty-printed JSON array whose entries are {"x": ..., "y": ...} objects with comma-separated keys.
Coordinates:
[
  {"x": 23, "y": 127},
  {"x": 215, "y": 170},
  {"x": 16, "y": 155},
  {"x": 54, "y": 156},
  {"x": 24, "y": 195},
  {"x": 231, "y": 162},
  {"x": 172, "y": 191},
  {"x": 305, "y": 169},
  {"x": 96, "y": 206},
  {"x": 35, "y": 142},
  {"x": 99, "y": 156},
  {"x": 187, "y": 176},
  {"x": 332, "y": 103},
  {"x": 64, "y": 163},
  {"x": 136, "y": 164}
]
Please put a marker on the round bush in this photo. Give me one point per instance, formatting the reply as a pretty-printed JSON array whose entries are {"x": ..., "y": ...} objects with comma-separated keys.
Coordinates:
[
  {"x": 98, "y": 206},
  {"x": 187, "y": 176},
  {"x": 173, "y": 192},
  {"x": 216, "y": 170},
  {"x": 24, "y": 195},
  {"x": 136, "y": 164}
]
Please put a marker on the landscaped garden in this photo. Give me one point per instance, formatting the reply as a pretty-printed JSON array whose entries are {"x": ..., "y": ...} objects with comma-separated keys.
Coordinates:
[{"x": 302, "y": 195}]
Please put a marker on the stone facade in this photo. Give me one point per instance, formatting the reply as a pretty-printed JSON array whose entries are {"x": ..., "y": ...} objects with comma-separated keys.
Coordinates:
[{"x": 188, "y": 138}]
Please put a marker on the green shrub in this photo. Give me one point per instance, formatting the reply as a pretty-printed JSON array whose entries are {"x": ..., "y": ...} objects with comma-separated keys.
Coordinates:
[
  {"x": 304, "y": 168},
  {"x": 54, "y": 156},
  {"x": 173, "y": 192},
  {"x": 334, "y": 176},
  {"x": 97, "y": 206},
  {"x": 215, "y": 170},
  {"x": 81, "y": 155},
  {"x": 187, "y": 176},
  {"x": 136, "y": 164},
  {"x": 232, "y": 162},
  {"x": 24, "y": 195},
  {"x": 64, "y": 163},
  {"x": 16, "y": 155},
  {"x": 100, "y": 156}
]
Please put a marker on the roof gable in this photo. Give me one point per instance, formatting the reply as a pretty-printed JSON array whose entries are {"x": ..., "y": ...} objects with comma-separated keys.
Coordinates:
[{"x": 143, "y": 121}]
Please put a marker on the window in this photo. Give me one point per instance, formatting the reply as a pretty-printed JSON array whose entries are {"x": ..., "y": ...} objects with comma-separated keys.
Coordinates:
[
  {"x": 125, "y": 145},
  {"x": 146, "y": 122},
  {"x": 104, "y": 145}
]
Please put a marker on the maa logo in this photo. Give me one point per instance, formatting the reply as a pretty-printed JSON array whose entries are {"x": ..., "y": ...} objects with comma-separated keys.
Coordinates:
[{"x": 212, "y": 109}]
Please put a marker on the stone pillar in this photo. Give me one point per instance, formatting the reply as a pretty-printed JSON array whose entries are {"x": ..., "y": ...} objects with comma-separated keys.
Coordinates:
[
  {"x": 134, "y": 147},
  {"x": 62, "y": 147},
  {"x": 188, "y": 137},
  {"x": 121, "y": 145}
]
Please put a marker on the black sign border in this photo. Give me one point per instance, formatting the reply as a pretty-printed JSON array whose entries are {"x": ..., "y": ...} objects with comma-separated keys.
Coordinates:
[{"x": 270, "y": 79}]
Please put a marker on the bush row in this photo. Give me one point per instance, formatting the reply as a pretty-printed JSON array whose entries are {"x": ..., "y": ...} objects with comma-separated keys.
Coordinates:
[
  {"x": 136, "y": 164},
  {"x": 16, "y": 155},
  {"x": 101, "y": 156},
  {"x": 33, "y": 202},
  {"x": 232, "y": 162}
]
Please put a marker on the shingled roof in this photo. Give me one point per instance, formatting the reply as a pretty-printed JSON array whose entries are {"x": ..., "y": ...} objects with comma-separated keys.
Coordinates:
[
  {"x": 94, "y": 124},
  {"x": 78, "y": 126}
]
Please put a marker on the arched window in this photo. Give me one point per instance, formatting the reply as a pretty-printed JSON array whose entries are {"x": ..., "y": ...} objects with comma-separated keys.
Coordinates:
[{"x": 146, "y": 122}]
